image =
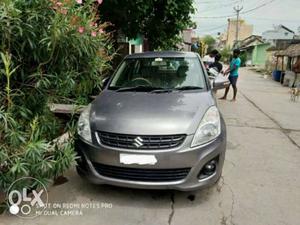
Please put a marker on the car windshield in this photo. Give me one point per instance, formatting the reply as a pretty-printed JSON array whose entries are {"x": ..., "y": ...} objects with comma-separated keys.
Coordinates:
[{"x": 148, "y": 74}]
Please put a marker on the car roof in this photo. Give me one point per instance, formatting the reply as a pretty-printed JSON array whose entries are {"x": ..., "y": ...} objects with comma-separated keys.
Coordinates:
[{"x": 162, "y": 54}]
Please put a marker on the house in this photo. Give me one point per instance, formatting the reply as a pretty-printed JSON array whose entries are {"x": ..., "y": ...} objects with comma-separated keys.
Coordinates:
[
  {"x": 272, "y": 60},
  {"x": 245, "y": 30},
  {"x": 280, "y": 37},
  {"x": 252, "y": 39},
  {"x": 287, "y": 58},
  {"x": 131, "y": 46},
  {"x": 254, "y": 50},
  {"x": 187, "y": 36},
  {"x": 279, "y": 32},
  {"x": 222, "y": 40},
  {"x": 136, "y": 45},
  {"x": 126, "y": 47}
]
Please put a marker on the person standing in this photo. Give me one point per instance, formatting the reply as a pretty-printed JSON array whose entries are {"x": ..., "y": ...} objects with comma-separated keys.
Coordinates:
[
  {"x": 210, "y": 58},
  {"x": 233, "y": 72},
  {"x": 217, "y": 63}
]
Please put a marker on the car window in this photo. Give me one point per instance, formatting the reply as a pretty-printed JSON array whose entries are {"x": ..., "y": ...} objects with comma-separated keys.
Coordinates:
[{"x": 159, "y": 73}]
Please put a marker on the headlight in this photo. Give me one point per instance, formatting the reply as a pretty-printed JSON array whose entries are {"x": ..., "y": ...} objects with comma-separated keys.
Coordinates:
[
  {"x": 84, "y": 128},
  {"x": 209, "y": 128}
]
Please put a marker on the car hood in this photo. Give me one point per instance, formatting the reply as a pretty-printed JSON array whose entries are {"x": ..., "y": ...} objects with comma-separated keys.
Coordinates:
[{"x": 142, "y": 113}]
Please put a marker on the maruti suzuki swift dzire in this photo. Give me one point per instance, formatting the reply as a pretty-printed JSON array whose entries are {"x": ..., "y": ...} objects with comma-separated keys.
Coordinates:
[{"x": 155, "y": 125}]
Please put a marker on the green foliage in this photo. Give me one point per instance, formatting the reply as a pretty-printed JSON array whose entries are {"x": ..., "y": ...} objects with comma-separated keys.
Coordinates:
[
  {"x": 210, "y": 42},
  {"x": 243, "y": 58},
  {"x": 160, "y": 21},
  {"x": 50, "y": 52},
  {"x": 27, "y": 152},
  {"x": 226, "y": 54}
]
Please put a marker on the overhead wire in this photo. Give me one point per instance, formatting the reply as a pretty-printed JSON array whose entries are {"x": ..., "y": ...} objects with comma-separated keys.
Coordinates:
[
  {"x": 213, "y": 29},
  {"x": 231, "y": 15},
  {"x": 216, "y": 2}
]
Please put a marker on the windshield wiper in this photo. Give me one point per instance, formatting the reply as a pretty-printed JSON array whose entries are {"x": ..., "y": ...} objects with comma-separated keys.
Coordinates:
[
  {"x": 157, "y": 89},
  {"x": 185, "y": 88},
  {"x": 162, "y": 90},
  {"x": 136, "y": 88}
]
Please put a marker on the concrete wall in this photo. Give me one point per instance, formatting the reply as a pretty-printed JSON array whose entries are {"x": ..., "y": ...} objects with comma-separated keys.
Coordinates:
[
  {"x": 245, "y": 30},
  {"x": 187, "y": 36},
  {"x": 259, "y": 55}
]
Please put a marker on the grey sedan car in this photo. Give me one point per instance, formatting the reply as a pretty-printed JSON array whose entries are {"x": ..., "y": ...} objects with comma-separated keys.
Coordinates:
[{"x": 155, "y": 125}]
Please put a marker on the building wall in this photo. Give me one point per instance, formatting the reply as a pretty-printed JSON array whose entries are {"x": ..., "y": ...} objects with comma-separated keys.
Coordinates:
[
  {"x": 272, "y": 60},
  {"x": 187, "y": 36},
  {"x": 221, "y": 42},
  {"x": 259, "y": 55},
  {"x": 245, "y": 30}
]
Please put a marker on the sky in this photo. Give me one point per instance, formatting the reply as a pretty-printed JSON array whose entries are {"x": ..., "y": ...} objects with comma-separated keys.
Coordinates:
[{"x": 275, "y": 12}]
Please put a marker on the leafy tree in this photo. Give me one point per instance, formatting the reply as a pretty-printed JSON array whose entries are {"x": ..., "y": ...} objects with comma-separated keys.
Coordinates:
[
  {"x": 51, "y": 51},
  {"x": 210, "y": 42},
  {"x": 226, "y": 54},
  {"x": 160, "y": 21}
]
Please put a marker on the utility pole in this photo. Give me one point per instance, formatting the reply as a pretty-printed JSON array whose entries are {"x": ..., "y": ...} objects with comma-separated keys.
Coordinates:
[{"x": 237, "y": 9}]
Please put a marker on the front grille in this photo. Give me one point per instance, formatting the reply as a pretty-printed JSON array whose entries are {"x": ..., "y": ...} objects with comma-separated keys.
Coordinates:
[
  {"x": 141, "y": 141},
  {"x": 134, "y": 174}
]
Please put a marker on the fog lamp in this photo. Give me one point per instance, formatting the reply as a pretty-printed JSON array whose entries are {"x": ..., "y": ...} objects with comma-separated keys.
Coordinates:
[{"x": 208, "y": 169}]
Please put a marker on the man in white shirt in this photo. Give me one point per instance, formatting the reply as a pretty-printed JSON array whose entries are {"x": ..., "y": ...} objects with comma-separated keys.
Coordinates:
[{"x": 210, "y": 58}]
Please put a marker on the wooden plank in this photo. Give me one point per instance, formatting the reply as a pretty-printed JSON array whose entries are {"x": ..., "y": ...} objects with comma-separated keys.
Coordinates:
[
  {"x": 62, "y": 139},
  {"x": 66, "y": 108}
]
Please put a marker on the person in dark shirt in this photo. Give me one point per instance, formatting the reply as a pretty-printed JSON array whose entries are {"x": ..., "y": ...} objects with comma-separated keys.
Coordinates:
[
  {"x": 210, "y": 58},
  {"x": 217, "y": 63}
]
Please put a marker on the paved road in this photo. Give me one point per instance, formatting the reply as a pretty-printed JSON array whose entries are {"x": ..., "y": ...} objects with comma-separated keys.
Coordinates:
[{"x": 260, "y": 183}]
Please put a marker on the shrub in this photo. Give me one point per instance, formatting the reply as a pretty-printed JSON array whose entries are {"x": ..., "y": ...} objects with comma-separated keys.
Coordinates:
[
  {"x": 51, "y": 51},
  {"x": 226, "y": 54},
  {"x": 243, "y": 58}
]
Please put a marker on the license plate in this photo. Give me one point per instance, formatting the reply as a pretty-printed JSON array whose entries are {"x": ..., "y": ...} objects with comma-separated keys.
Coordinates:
[{"x": 128, "y": 159}]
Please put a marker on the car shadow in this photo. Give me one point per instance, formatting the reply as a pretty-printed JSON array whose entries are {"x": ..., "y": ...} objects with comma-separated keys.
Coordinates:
[{"x": 129, "y": 197}]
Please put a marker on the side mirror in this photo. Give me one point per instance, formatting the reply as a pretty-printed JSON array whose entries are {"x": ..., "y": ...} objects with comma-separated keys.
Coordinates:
[
  {"x": 217, "y": 80},
  {"x": 213, "y": 72},
  {"x": 220, "y": 82},
  {"x": 104, "y": 82}
]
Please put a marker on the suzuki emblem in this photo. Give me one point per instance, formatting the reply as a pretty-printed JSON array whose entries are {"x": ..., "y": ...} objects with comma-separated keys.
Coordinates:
[{"x": 138, "y": 142}]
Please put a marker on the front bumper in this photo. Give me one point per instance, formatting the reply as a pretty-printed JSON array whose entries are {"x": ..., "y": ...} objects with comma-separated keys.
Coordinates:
[{"x": 182, "y": 157}]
